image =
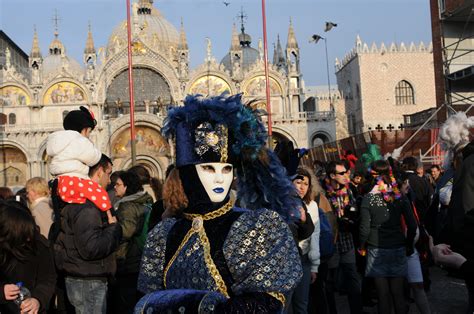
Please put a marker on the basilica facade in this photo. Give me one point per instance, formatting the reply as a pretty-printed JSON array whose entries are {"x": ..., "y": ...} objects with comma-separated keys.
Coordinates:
[{"x": 34, "y": 99}]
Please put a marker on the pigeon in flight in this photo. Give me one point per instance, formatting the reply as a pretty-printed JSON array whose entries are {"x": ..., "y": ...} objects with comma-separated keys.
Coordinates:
[
  {"x": 329, "y": 26},
  {"x": 315, "y": 38}
]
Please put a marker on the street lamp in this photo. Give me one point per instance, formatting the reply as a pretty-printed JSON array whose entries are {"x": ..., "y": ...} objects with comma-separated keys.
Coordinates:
[{"x": 315, "y": 38}]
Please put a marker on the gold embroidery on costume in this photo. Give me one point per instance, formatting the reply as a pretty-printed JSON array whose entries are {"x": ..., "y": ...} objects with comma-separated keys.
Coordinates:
[
  {"x": 224, "y": 147},
  {"x": 197, "y": 227},
  {"x": 212, "y": 215},
  {"x": 185, "y": 240},
  {"x": 210, "y": 264},
  {"x": 279, "y": 296}
]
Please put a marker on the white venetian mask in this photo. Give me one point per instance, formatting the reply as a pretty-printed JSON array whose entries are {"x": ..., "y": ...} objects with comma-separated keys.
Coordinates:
[{"x": 216, "y": 177}]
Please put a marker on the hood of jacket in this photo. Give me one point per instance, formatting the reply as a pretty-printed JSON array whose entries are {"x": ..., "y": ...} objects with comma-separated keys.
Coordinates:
[
  {"x": 60, "y": 141},
  {"x": 141, "y": 197},
  {"x": 71, "y": 153}
]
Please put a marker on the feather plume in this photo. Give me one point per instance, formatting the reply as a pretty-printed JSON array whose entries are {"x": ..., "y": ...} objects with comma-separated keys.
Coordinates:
[{"x": 262, "y": 180}]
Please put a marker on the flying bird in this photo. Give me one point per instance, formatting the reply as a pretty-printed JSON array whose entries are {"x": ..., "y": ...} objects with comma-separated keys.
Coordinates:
[
  {"x": 315, "y": 38},
  {"x": 226, "y": 3},
  {"x": 329, "y": 26}
]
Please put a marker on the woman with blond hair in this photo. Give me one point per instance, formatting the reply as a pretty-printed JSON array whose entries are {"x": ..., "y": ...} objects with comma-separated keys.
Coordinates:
[{"x": 39, "y": 202}]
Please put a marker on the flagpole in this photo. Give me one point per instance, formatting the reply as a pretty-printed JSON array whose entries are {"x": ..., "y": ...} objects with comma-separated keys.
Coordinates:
[
  {"x": 267, "y": 77},
  {"x": 130, "y": 87}
]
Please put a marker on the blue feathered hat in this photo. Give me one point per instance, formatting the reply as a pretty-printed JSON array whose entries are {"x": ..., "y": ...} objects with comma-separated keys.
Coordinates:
[{"x": 223, "y": 129}]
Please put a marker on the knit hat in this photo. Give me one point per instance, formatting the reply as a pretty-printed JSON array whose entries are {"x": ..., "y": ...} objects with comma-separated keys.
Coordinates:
[{"x": 77, "y": 120}]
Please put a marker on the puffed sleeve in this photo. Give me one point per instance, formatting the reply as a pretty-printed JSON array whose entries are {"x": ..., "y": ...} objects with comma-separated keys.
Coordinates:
[
  {"x": 152, "y": 266},
  {"x": 262, "y": 257}
]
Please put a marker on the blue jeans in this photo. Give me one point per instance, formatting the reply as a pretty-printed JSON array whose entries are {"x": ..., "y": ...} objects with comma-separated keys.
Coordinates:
[
  {"x": 87, "y": 296},
  {"x": 300, "y": 296}
]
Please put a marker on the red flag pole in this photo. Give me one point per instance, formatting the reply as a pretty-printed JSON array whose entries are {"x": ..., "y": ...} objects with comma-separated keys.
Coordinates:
[
  {"x": 267, "y": 78},
  {"x": 130, "y": 87}
]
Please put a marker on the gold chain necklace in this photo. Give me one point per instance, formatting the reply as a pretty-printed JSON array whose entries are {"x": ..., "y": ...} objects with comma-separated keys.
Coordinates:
[{"x": 214, "y": 214}]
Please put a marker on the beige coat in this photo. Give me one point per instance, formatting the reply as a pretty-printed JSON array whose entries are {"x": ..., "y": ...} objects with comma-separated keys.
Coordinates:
[{"x": 43, "y": 214}]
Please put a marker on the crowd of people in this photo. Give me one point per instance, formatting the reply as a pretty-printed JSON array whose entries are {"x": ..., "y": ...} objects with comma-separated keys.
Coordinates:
[{"x": 235, "y": 227}]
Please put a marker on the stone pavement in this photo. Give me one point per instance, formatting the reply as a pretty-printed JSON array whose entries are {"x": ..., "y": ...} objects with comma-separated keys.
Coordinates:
[{"x": 448, "y": 295}]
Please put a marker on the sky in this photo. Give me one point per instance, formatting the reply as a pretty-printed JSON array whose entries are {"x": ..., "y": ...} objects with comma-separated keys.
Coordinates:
[{"x": 374, "y": 20}]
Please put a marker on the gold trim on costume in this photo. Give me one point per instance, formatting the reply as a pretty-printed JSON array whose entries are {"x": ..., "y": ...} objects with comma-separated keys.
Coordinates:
[
  {"x": 210, "y": 263},
  {"x": 279, "y": 296},
  {"x": 185, "y": 240},
  {"x": 224, "y": 153},
  {"x": 214, "y": 214},
  {"x": 197, "y": 227}
]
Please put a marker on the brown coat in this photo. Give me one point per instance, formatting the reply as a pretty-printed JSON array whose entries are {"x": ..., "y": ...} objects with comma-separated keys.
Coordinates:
[
  {"x": 324, "y": 204},
  {"x": 43, "y": 214}
]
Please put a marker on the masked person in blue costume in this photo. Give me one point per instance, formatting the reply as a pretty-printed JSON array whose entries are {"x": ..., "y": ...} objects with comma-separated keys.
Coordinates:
[{"x": 213, "y": 257}]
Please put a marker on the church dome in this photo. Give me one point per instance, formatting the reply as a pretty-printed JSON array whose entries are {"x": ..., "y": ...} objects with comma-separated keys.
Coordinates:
[
  {"x": 54, "y": 63},
  {"x": 249, "y": 55},
  {"x": 57, "y": 60},
  {"x": 151, "y": 27}
]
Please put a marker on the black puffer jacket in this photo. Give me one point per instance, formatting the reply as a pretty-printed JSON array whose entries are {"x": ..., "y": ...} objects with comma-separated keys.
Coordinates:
[{"x": 86, "y": 242}]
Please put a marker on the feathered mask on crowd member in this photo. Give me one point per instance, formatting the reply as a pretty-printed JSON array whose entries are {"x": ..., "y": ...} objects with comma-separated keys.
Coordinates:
[{"x": 222, "y": 129}]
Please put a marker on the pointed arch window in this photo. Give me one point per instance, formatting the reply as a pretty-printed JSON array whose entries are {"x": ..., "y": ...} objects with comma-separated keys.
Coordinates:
[
  {"x": 404, "y": 94},
  {"x": 12, "y": 119}
]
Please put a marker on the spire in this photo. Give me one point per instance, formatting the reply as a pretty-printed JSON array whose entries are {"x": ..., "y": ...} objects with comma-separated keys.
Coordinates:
[
  {"x": 291, "y": 42},
  {"x": 278, "y": 58},
  {"x": 90, "y": 42},
  {"x": 35, "y": 49},
  {"x": 144, "y": 7},
  {"x": 245, "y": 39},
  {"x": 275, "y": 57},
  {"x": 183, "y": 43},
  {"x": 235, "y": 44},
  {"x": 279, "y": 50},
  {"x": 56, "y": 47}
]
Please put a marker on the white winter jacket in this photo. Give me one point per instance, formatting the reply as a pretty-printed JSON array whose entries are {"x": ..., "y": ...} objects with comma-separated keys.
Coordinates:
[
  {"x": 71, "y": 154},
  {"x": 310, "y": 245}
]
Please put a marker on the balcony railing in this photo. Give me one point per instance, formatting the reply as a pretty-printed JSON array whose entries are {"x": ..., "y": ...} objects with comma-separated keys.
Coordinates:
[
  {"x": 9, "y": 128},
  {"x": 115, "y": 110},
  {"x": 304, "y": 116}
]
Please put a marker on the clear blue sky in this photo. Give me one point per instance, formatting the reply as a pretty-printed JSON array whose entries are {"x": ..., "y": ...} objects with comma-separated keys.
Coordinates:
[{"x": 375, "y": 20}]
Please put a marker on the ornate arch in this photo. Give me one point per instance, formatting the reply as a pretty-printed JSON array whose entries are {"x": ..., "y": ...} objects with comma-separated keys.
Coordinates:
[
  {"x": 67, "y": 90},
  {"x": 212, "y": 69},
  {"x": 157, "y": 166},
  {"x": 286, "y": 133},
  {"x": 258, "y": 70},
  {"x": 148, "y": 140},
  {"x": 14, "y": 94},
  {"x": 324, "y": 136},
  {"x": 214, "y": 81},
  {"x": 15, "y": 144},
  {"x": 15, "y": 167},
  {"x": 151, "y": 60}
]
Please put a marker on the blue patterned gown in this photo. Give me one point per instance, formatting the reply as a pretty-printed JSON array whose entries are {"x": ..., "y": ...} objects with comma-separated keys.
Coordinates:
[{"x": 240, "y": 262}]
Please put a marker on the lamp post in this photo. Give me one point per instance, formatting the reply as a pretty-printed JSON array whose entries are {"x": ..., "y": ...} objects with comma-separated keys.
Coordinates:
[{"x": 315, "y": 38}]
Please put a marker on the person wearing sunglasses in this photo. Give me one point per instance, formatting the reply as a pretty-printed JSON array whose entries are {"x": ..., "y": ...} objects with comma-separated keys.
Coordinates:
[{"x": 343, "y": 263}]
